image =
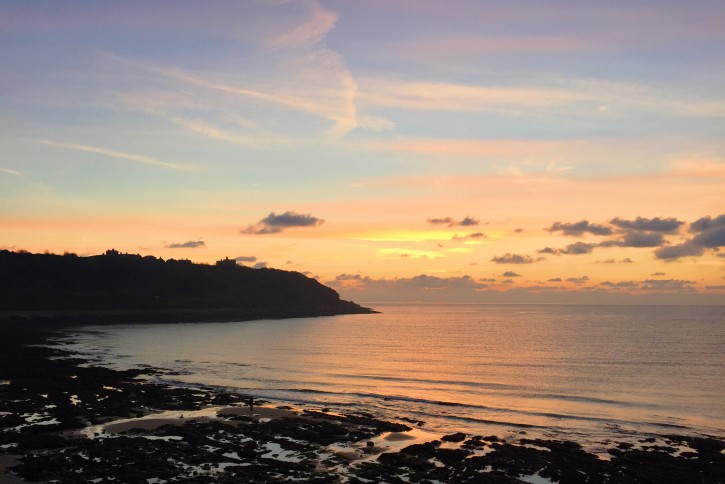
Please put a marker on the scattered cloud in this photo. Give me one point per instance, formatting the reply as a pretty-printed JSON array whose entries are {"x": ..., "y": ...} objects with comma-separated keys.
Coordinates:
[
  {"x": 442, "y": 221},
  {"x": 665, "y": 284},
  {"x": 464, "y": 222},
  {"x": 260, "y": 265},
  {"x": 466, "y": 289},
  {"x": 636, "y": 239},
  {"x": 580, "y": 228},
  {"x": 468, "y": 221},
  {"x": 273, "y": 223},
  {"x": 421, "y": 287},
  {"x": 350, "y": 277},
  {"x": 246, "y": 258},
  {"x": 514, "y": 259},
  {"x": 641, "y": 232},
  {"x": 664, "y": 225},
  {"x": 578, "y": 280},
  {"x": 621, "y": 284},
  {"x": 709, "y": 234},
  {"x": 577, "y": 248},
  {"x": 191, "y": 244},
  {"x": 518, "y": 230},
  {"x": 659, "y": 273},
  {"x": 674, "y": 252},
  {"x": 706, "y": 223},
  {"x": 476, "y": 235},
  {"x": 510, "y": 274}
]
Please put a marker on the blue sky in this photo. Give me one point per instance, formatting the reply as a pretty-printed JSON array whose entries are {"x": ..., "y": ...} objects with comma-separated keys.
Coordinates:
[{"x": 141, "y": 126}]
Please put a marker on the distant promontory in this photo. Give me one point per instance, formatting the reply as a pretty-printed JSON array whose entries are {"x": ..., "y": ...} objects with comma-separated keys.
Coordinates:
[{"x": 128, "y": 288}]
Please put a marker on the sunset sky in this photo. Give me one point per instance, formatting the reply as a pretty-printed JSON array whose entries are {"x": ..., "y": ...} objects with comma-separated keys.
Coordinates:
[{"x": 464, "y": 151}]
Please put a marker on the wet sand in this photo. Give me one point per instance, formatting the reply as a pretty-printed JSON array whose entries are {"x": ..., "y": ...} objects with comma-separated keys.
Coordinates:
[{"x": 151, "y": 422}]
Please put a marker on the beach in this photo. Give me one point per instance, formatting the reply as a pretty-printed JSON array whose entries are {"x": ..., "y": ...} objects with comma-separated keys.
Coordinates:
[{"x": 65, "y": 419}]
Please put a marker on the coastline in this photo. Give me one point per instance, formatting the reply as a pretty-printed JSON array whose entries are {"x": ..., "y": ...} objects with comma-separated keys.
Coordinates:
[
  {"x": 61, "y": 418},
  {"x": 101, "y": 317}
]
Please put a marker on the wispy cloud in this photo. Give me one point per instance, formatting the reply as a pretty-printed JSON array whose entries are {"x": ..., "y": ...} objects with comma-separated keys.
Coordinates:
[
  {"x": 307, "y": 75},
  {"x": 148, "y": 160},
  {"x": 10, "y": 172},
  {"x": 311, "y": 31},
  {"x": 439, "y": 96},
  {"x": 207, "y": 129},
  {"x": 591, "y": 97}
]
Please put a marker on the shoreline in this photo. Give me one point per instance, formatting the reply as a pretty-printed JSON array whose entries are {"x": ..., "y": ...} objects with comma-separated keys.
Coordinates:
[
  {"x": 48, "y": 397},
  {"x": 59, "y": 319}
]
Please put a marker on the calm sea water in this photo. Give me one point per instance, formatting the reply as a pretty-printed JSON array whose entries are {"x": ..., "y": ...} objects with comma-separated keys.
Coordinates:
[{"x": 580, "y": 372}]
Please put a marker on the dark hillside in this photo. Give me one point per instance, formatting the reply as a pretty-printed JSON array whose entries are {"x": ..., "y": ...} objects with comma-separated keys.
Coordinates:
[{"x": 114, "y": 281}]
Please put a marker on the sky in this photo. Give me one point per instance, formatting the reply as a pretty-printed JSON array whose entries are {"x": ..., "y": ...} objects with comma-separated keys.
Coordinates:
[{"x": 467, "y": 151}]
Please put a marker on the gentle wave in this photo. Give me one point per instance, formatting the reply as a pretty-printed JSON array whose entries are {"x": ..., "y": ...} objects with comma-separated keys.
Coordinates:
[
  {"x": 430, "y": 381},
  {"x": 438, "y": 403},
  {"x": 524, "y": 392},
  {"x": 562, "y": 369}
]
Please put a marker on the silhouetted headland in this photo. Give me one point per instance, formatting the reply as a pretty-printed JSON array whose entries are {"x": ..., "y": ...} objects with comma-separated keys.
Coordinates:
[{"x": 56, "y": 290}]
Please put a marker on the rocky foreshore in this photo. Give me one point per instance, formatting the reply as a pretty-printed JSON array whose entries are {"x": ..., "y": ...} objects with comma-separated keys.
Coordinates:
[{"x": 64, "y": 420}]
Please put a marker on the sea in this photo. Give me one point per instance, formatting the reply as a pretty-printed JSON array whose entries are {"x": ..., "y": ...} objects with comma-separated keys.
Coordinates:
[{"x": 585, "y": 373}]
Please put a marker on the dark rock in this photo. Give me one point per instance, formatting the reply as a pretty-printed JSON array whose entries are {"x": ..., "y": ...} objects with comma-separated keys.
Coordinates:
[
  {"x": 451, "y": 457},
  {"x": 457, "y": 437}
]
